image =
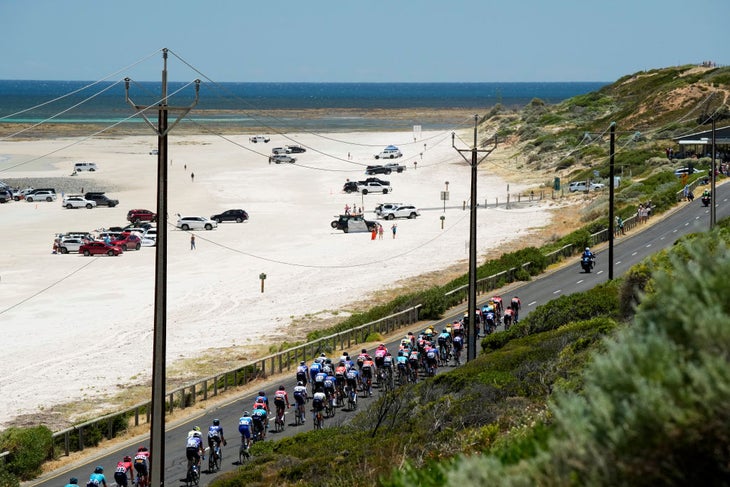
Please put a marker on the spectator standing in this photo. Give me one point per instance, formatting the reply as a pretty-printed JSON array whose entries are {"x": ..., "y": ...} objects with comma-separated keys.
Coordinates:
[
  {"x": 394, "y": 229},
  {"x": 192, "y": 242},
  {"x": 381, "y": 231}
]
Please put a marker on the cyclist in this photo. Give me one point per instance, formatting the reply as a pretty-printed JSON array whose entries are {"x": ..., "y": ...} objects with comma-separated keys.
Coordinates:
[
  {"x": 458, "y": 328},
  {"x": 361, "y": 358},
  {"x": 388, "y": 364},
  {"x": 351, "y": 380},
  {"x": 507, "y": 318},
  {"x": 340, "y": 373},
  {"x": 124, "y": 469},
  {"x": 260, "y": 420},
  {"x": 302, "y": 372},
  {"x": 281, "y": 400},
  {"x": 194, "y": 448},
  {"x": 314, "y": 369},
  {"x": 489, "y": 321},
  {"x": 215, "y": 435},
  {"x": 318, "y": 401},
  {"x": 322, "y": 358},
  {"x": 261, "y": 398},
  {"x": 429, "y": 333},
  {"x": 142, "y": 463},
  {"x": 300, "y": 396},
  {"x": 330, "y": 390},
  {"x": 245, "y": 425},
  {"x": 432, "y": 359},
  {"x": 401, "y": 361},
  {"x": 73, "y": 482},
  {"x": 516, "y": 305},
  {"x": 318, "y": 384},
  {"x": 97, "y": 478},
  {"x": 458, "y": 347},
  {"x": 368, "y": 370},
  {"x": 498, "y": 308},
  {"x": 444, "y": 340},
  {"x": 413, "y": 360}
]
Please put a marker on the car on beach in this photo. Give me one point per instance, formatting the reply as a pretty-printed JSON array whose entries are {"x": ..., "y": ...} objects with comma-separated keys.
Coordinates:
[
  {"x": 77, "y": 201},
  {"x": 70, "y": 244},
  {"x": 44, "y": 195},
  {"x": 195, "y": 223},
  {"x": 296, "y": 149},
  {"x": 385, "y": 168},
  {"x": 280, "y": 150},
  {"x": 237, "y": 215},
  {"x": 390, "y": 152},
  {"x": 5, "y": 195},
  {"x": 374, "y": 187},
  {"x": 585, "y": 186},
  {"x": 279, "y": 158},
  {"x": 375, "y": 180},
  {"x": 400, "y": 211},
  {"x": 101, "y": 199},
  {"x": 351, "y": 187},
  {"x": 353, "y": 223},
  {"x": 99, "y": 248},
  {"x": 259, "y": 138},
  {"x": 379, "y": 209},
  {"x": 684, "y": 171},
  {"x": 140, "y": 215},
  {"x": 131, "y": 241}
]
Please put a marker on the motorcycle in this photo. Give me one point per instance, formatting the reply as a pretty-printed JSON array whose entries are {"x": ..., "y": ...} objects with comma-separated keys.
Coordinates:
[
  {"x": 706, "y": 200},
  {"x": 587, "y": 263}
]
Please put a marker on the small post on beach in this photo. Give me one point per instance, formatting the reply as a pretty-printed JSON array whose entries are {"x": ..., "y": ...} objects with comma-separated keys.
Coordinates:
[{"x": 262, "y": 276}]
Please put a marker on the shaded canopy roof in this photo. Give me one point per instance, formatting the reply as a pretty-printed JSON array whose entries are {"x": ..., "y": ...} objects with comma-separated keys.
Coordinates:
[{"x": 722, "y": 137}]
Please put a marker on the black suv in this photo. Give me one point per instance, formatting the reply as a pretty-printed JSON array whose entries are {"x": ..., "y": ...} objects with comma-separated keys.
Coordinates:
[
  {"x": 351, "y": 187},
  {"x": 101, "y": 199},
  {"x": 237, "y": 216}
]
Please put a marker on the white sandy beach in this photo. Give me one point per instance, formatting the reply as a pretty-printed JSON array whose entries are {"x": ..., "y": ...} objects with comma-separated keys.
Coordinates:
[{"x": 80, "y": 328}]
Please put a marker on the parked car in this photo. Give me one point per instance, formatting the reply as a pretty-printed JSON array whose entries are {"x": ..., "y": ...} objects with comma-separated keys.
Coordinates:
[
  {"x": 19, "y": 194},
  {"x": 259, "y": 138},
  {"x": 280, "y": 150},
  {"x": 404, "y": 211},
  {"x": 41, "y": 196},
  {"x": 385, "y": 207},
  {"x": 68, "y": 244},
  {"x": 375, "y": 180},
  {"x": 154, "y": 152},
  {"x": 131, "y": 241},
  {"x": 5, "y": 195},
  {"x": 279, "y": 158},
  {"x": 296, "y": 149},
  {"x": 385, "y": 168},
  {"x": 351, "y": 187},
  {"x": 85, "y": 166},
  {"x": 148, "y": 242},
  {"x": 584, "y": 186},
  {"x": 99, "y": 248},
  {"x": 685, "y": 171},
  {"x": 353, "y": 223},
  {"x": 374, "y": 187},
  {"x": 101, "y": 199},
  {"x": 77, "y": 201},
  {"x": 237, "y": 216},
  {"x": 195, "y": 223},
  {"x": 390, "y": 152},
  {"x": 136, "y": 216}
]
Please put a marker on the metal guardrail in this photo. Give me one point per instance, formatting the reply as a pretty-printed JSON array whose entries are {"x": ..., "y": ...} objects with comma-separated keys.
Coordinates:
[{"x": 285, "y": 360}]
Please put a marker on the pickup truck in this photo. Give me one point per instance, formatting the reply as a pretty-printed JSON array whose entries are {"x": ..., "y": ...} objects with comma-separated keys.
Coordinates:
[
  {"x": 259, "y": 138},
  {"x": 385, "y": 168}
]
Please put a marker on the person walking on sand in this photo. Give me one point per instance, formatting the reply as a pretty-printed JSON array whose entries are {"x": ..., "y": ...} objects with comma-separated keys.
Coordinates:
[
  {"x": 374, "y": 233},
  {"x": 394, "y": 228},
  {"x": 192, "y": 242},
  {"x": 381, "y": 231},
  {"x": 192, "y": 177}
]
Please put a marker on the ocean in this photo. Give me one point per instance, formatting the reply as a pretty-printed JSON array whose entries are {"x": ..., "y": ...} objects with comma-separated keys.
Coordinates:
[{"x": 328, "y": 107}]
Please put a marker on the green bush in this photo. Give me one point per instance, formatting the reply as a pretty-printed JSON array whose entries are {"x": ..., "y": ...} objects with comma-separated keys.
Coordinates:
[{"x": 28, "y": 447}]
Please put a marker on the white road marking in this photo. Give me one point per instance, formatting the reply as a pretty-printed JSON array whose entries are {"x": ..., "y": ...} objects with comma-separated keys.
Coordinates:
[
  {"x": 648, "y": 245},
  {"x": 634, "y": 254},
  {"x": 674, "y": 231},
  {"x": 557, "y": 292},
  {"x": 662, "y": 238},
  {"x": 618, "y": 262},
  {"x": 599, "y": 272},
  {"x": 530, "y": 304},
  {"x": 578, "y": 282}
]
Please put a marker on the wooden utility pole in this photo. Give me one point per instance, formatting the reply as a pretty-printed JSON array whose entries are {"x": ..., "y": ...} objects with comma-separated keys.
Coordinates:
[
  {"x": 157, "y": 422},
  {"x": 471, "y": 349}
]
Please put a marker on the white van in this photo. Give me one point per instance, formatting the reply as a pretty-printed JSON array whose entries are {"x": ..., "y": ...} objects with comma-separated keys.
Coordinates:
[{"x": 85, "y": 166}]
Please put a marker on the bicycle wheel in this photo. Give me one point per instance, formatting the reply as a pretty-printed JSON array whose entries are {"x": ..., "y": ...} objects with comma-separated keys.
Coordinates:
[{"x": 211, "y": 462}]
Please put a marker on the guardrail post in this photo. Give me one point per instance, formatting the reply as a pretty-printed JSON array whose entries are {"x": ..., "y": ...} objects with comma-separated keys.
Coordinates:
[
  {"x": 81, "y": 439},
  {"x": 136, "y": 416},
  {"x": 280, "y": 365},
  {"x": 263, "y": 368},
  {"x": 205, "y": 390},
  {"x": 172, "y": 401},
  {"x": 67, "y": 443},
  {"x": 110, "y": 429}
]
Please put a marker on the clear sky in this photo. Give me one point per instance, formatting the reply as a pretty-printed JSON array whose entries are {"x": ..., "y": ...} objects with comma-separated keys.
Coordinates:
[{"x": 365, "y": 40}]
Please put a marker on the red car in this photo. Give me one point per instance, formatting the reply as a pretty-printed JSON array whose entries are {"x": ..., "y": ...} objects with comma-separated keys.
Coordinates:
[
  {"x": 136, "y": 216},
  {"x": 128, "y": 242},
  {"x": 99, "y": 248}
]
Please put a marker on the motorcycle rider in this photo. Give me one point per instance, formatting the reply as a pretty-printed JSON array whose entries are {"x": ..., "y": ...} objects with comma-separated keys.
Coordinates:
[{"x": 587, "y": 254}]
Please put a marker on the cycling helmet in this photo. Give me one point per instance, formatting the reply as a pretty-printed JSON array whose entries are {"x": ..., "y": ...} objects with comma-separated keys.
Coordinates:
[
  {"x": 73, "y": 480},
  {"x": 262, "y": 393},
  {"x": 127, "y": 458},
  {"x": 282, "y": 388},
  {"x": 345, "y": 354},
  {"x": 198, "y": 434},
  {"x": 588, "y": 249},
  {"x": 444, "y": 331},
  {"x": 364, "y": 350},
  {"x": 322, "y": 355},
  {"x": 302, "y": 363},
  {"x": 197, "y": 428},
  {"x": 400, "y": 353},
  {"x": 300, "y": 383},
  {"x": 245, "y": 413},
  {"x": 216, "y": 422},
  {"x": 99, "y": 469},
  {"x": 142, "y": 448}
]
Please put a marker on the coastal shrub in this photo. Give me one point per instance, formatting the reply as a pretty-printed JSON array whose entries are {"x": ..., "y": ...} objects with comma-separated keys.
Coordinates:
[
  {"x": 28, "y": 447},
  {"x": 7, "y": 479}
]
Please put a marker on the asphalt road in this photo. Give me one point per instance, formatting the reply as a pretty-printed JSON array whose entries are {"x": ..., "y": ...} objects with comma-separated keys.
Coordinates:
[{"x": 628, "y": 250}]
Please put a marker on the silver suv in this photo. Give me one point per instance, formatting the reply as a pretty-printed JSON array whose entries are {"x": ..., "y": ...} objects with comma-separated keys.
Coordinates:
[{"x": 403, "y": 211}]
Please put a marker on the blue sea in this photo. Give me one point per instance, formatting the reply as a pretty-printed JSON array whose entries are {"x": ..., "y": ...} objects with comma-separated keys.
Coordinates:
[{"x": 301, "y": 106}]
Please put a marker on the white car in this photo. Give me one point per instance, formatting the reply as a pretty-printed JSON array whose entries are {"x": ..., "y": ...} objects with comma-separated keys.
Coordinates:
[
  {"x": 279, "y": 158},
  {"x": 259, "y": 138},
  {"x": 374, "y": 187},
  {"x": 403, "y": 211},
  {"x": 41, "y": 196},
  {"x": 583, "y": 186},
  {"x": 70, "y": 244},
  {"x": 390, "y": 152},
  {"x": 76, "y": 201},
  {"x": 281, "y": 150},
  {"x": 195, "y": 223}
]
